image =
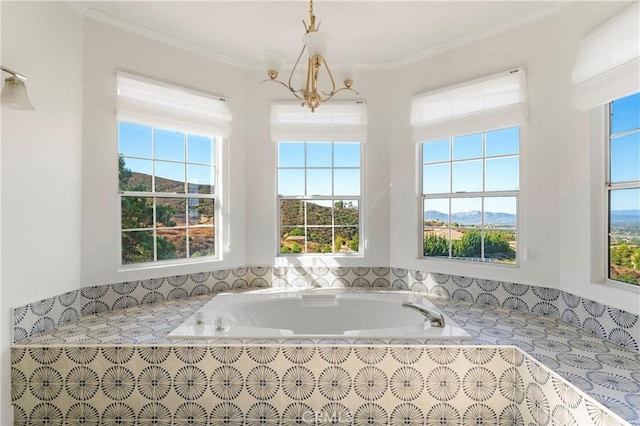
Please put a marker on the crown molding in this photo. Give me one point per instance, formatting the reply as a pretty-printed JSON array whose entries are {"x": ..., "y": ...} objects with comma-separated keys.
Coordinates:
[
  {"x": 164, "y": 38},
  {"x": 476, "y": 36},
  {"x": 79, "y": 8},
  {"x": 170, "y": 40}
]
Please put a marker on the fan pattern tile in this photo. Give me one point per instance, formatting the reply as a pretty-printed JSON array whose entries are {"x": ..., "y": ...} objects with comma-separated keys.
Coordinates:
[
  {"x": 587, "y": 344},
  {"x": 156, "y": 385}
]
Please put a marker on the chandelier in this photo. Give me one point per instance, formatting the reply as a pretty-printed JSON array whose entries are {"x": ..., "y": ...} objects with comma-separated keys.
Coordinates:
[{"x": 315, "y": 43}]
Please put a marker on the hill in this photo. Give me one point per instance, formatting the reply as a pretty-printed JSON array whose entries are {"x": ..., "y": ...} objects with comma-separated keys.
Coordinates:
[{"x": 473, "y": 218}]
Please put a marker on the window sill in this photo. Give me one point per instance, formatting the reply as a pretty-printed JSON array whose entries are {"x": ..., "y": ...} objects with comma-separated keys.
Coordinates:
[{"x": 163, "y": 264}]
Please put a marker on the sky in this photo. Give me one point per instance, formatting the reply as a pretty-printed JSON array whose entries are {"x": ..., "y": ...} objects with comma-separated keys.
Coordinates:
[
  {"x": 625, "y": 151},
  {"x": 333, "y": 169},
  {"x": 456, "y": 165},
  {"x": 320, "y": 178},
  {"x": 137, "y": 141}
]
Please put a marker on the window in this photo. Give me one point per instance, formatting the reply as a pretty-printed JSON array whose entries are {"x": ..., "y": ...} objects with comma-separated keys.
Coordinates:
[
  {"x": 469, "y": 136},
  {"x": 319, "y": 191},
  {"x": 623, "y": 190},
  {"x": 470, "y": 196},
  {"x": 169, "y": 144},
  {"x": 605, "y": 74},
  {"x": 319, "y": 177},
  {"x": 167, "y": 193}
]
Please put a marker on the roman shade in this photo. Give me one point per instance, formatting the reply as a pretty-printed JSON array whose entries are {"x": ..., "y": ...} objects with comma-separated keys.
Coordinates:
[
  {"x": 334, "y": 122},
  {"x": 608, "y": 63},
  {"x": 155, "y": 103},
  {"x": 486, "y": 103}
]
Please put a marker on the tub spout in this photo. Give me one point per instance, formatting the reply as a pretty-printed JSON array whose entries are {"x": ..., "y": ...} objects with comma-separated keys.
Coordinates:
[{"x": 435, "y": 318}]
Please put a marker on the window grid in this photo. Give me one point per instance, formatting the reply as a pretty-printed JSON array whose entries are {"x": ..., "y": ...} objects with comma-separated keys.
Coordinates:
[
  {"x": 482, "y": 195},
  {"x": 187, "y": 197},
  {"x": 308, "y": 199},
  {"x": 620, "y": 241}
]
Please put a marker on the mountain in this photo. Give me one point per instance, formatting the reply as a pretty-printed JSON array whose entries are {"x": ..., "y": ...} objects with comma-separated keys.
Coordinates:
[
  {"x": 625, "y": 217},
  {"x": 472, "y": 217},
  {"x": 618, "y": 217}
]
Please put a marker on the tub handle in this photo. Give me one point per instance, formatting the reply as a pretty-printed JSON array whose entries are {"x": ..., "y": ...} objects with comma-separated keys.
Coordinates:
[{"x": 435, "y": 318}]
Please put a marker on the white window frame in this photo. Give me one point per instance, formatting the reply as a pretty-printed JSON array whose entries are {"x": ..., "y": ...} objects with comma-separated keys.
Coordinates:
[
  {"x": 332, "y": 198},
  {"x": 478, "y": 194},
  {"x": 165, "y": 106},
  {"x": 217, "y": 141},
  {"x": 608, "y": 188},
  {"x": 335, "y": 122},
  {"x": 493, "y": 102}
]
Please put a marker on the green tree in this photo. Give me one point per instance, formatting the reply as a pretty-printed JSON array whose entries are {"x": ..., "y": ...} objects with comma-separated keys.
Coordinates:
[
  {"x": 295, "y": 248},
  {"x": 495, "y": 242},
  {"x": 622, "y": 254},
  {"x": 339, "y": 242},
  {"x": 137, "y": 213},
  {"x": 470, "y": 245},
  {"x": 354, "y": 244},
  {"x": 296, "y": 232},
  {"x": 635, "y": 258},
  {"x": 435, "y": 245},
  {"x": 285, "y": 249},
  {"x": 324, "y": 248},
  {"x": 124, "y": 174}
]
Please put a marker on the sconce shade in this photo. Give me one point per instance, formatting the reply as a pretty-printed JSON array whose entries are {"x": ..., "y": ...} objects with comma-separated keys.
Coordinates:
[
  {"x": 349, "y": 70},
  {"x": 273, "y": 59},
  {"x": 14, "y": 94},
  {"x": 316, "y": 43}
]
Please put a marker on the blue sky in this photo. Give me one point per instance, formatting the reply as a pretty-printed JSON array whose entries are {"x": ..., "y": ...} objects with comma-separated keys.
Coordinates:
[
  {"x": 625, "y": 151},
  {"x": 321, "y": 179},
  {"x": 501, "y": 172},
  {"x": 138, "y": 141},
  {"x": 456, "y": 165}
]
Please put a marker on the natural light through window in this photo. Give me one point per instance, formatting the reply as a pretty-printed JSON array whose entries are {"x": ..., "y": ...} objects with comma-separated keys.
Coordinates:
[
  {"x": 623, "y": 190},
  {"x": 167, "y": 193},
  {"x": 470, "y": 188},
  {"x": 319, "y": 188}
]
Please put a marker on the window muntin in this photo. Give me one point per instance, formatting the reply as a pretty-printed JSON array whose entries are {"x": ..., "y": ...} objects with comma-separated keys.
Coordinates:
[
  {"x": 623, "y": 190},
  {"x": 319, "y": 189},
  {"x": 167, "y": 183},
  {"x": 470, "y": 186}
]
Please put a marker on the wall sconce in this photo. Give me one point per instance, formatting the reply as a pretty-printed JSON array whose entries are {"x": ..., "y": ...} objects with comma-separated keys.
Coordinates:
[{"x": 14, "y": 93}]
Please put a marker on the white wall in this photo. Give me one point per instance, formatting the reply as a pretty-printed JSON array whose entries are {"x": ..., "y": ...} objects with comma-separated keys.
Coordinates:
[
  {"x": 555, "y": 195},
  {"x": 581, "y": 232},
  {"x": 43, "y": 150},
  {"x": 40, "y": 162},
  {"x": 107, "y": 49},
  {"x": 555, "y": 192},
  {"x": 262, "y": 217},
  {"x": 531, "y": 46}
]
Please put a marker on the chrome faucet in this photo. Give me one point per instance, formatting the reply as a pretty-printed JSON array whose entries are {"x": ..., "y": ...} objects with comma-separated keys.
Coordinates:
[{"x": 435, "y": 318}]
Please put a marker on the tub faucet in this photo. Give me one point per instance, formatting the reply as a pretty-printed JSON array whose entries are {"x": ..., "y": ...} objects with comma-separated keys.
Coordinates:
[{"x": 435, "y": 318}]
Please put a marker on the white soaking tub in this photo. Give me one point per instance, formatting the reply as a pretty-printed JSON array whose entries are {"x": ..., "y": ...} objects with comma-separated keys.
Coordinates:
[{"x": 319, "y": 314}]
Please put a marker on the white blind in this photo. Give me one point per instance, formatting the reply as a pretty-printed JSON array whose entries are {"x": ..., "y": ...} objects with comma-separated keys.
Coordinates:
[
  {"x": 486, "y": 103},
  {"x": 157, "y": 103},
  {"x": 334, "y": 122},
  {"x": 608, "y": 63}
]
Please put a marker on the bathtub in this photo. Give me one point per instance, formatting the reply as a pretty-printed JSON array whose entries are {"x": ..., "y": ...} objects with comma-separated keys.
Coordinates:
[{"x": 317, "y": 314}]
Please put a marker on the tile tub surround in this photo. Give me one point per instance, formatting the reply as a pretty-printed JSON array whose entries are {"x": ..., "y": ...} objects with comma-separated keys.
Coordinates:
[
  {"x": 287, "y": 385},
  {"x": 621, "y": 327},
  {"x": 597, "y": 366}
]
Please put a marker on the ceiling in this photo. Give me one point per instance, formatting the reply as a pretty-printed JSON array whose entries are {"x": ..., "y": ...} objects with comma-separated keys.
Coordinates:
[{"x": 373, "y": 33}]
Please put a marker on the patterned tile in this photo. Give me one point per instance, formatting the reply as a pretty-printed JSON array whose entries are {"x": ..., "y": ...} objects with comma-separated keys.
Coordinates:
[
  {"x": 592, "y": 346},
  {"x": 284, "y": 385}
]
